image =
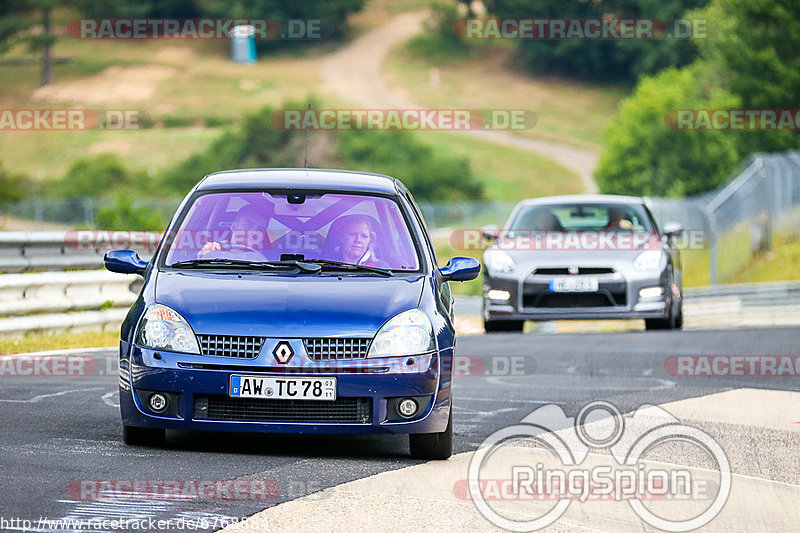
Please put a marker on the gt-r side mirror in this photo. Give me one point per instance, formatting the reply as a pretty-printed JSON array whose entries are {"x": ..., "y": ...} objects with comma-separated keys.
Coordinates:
[
  {"x": 673, "y": 229},
  {"x": 490, "y": 233},
  {"x": 461, "y": 269},
  {"x": 124, "y": 262}
]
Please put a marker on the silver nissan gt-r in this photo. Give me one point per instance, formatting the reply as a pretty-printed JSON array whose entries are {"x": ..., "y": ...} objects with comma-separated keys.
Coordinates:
[{"x": 582, "y": 257}]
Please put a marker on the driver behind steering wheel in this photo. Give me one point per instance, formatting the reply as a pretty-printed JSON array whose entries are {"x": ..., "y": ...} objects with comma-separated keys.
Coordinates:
[{"x": 248, "y": 238}]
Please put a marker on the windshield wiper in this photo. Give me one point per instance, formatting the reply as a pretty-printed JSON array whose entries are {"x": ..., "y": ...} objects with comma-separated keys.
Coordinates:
[
  {"x": 305, "y": 267},
  {"x": 350, "y": 266}
]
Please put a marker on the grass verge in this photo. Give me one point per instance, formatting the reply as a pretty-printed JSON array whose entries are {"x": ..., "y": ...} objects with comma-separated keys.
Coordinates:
[
  {"x": 568, "y": 112},
  {"x": 39, "y": 342}
]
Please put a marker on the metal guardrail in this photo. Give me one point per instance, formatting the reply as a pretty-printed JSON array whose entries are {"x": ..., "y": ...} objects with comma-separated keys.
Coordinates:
[
  {"x": 758, "y": 304},
  {"x": 45, "y": 301},
  {"x": 22, "y": 251}
]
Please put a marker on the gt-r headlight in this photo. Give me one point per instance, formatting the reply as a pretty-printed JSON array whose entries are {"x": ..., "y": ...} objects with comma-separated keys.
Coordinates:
[
  {"x": 163, "y": 328},
  {"x": 498, "y": 262},
  {"x": 408, "y": 333},
  {"x": 649, "y": 260}
]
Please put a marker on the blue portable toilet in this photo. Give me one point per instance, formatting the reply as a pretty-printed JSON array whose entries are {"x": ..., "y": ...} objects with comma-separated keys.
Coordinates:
[{"x": 243, "y": 44}]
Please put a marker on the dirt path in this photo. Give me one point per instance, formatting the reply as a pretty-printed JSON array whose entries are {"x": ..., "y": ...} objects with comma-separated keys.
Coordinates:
[{"x": 353, "y": 74}]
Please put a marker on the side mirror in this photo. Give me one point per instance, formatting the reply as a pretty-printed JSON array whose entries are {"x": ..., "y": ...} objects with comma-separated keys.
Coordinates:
[
  {"x": 490, "y": 233},
  {"x": 673, "y": 229},
  {"x": 461, "y": 269},
  {"x": 124, "y": 262}
]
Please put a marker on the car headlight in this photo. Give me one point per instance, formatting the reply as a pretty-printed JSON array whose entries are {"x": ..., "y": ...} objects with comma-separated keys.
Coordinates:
[
  {"x": 162, "y": 328},
  {"x": 649, "y": 260},
  {"x": 498, "y": 262},
  {"x": 408, "y": 333}
]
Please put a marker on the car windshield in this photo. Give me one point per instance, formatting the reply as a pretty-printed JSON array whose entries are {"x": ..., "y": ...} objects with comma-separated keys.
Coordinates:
[
  {"x": 583, "y": 217},
  {"x": 268, "y": 226}
]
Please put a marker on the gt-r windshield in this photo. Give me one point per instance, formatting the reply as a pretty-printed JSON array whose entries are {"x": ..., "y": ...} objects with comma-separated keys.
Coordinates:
[
  {"x": 230, "y": 228},
  {"x": 583, "y": 217}
]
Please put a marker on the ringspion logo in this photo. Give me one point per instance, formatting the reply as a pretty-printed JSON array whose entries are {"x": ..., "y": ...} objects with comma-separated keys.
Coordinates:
[{"x": 547, "y": 459}]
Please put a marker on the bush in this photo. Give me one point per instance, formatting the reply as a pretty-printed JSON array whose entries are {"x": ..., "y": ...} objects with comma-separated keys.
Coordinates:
[
  {"x": 13, "y": 187},
  {"x": 124, "y": 214},
  {"x": 429, "y": 176},
  {"x": 257, "y": 143},
  {"x": 97, "y": 176}
]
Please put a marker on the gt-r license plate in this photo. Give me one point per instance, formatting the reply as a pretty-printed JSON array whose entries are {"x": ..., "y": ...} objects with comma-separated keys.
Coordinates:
[
  {"x": 574, "y": 284},
  {"x": 279, "y": 388}
]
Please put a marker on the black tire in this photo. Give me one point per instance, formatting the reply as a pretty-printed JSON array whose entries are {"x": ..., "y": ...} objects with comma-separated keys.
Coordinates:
[
  {"x": 496, "y": 326},
  {"x": 678, "y": 323},
  {"x": 432, "y": 446},
  {"x": 656, "y": 323},
  {"x": 673, "y": 321},
  {"x": 143, "y": 436}
]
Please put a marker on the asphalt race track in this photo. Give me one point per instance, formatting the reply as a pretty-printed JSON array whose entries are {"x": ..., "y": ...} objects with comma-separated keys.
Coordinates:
[{"x": 57, "y": 432}]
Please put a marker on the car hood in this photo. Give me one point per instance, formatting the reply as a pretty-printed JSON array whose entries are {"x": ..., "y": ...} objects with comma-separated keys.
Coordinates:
[
  {"x": 620, "y": 260},
  {"x": 286, "y": 305}
]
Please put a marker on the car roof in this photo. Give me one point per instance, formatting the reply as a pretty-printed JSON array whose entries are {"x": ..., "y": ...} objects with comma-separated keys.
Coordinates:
[
  {"x": 291, "y": 178},
  {"x": 582, "y": 199}
]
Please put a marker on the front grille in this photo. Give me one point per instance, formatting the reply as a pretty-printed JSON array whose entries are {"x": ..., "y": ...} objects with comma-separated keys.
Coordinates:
[
  {"x": 220, "y": 407},
  {"x": 333, "y": 348},
  {"x": 241, "y": 347},
  {"x": 576, "y": 299},
  {"x": 564, "y": 271}
]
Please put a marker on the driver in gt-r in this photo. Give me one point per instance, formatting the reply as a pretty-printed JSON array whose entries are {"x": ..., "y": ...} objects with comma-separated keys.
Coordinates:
[{"x": 248, "y": 232}]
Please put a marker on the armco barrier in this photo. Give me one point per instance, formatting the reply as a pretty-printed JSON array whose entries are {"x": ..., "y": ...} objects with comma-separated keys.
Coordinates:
[{"x": 22, "y": 251}]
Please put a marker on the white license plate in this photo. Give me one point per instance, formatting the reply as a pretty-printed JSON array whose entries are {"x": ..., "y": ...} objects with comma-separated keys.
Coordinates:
[
  {"x": 281, "y": 388},
  {"x": 574, "y": 284}
]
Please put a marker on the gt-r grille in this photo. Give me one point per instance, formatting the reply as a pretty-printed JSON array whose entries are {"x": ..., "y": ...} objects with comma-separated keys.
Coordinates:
[
  {"x": 221, "y": 407},
  {"x": 326, "y": 349},
  {"x": 564, "y": 271},
  {"x": 241, "y": 347}
]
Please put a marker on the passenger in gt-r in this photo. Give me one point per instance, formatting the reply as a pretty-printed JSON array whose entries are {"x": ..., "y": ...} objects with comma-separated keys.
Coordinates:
[{"x": 617, "y": 219}]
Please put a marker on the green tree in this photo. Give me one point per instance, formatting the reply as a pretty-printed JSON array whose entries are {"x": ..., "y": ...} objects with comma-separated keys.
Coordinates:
[
  {"x": 643, "y": 156},
  {"x": 18, "y": 17},
  {"x": 752, "y": 49},
  {"x": 607, "y": 60}
]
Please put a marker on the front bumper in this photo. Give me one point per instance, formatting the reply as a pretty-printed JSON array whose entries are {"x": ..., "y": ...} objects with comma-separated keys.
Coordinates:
[
  {"x": 366, "y": 392},
  {"x": 617, "y": 297}
]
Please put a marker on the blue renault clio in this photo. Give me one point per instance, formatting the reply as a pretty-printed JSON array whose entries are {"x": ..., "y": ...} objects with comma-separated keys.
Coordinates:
[{"x": 295, "y": 301}]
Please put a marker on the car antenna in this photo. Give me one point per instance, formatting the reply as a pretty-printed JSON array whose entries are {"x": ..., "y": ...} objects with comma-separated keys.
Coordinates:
[{"x": 308, "y": 124}]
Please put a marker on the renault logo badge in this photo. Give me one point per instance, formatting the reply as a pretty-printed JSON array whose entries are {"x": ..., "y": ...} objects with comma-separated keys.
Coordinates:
[{"x": 283, "y": 352}]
